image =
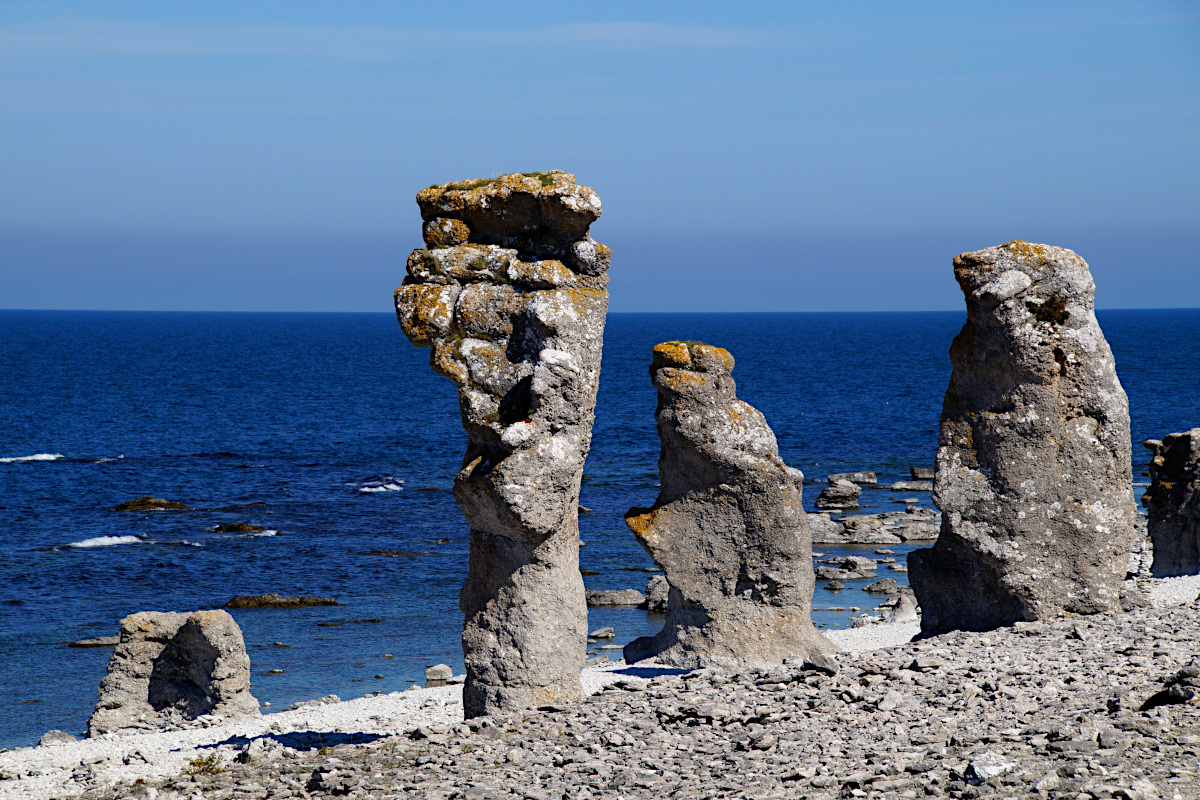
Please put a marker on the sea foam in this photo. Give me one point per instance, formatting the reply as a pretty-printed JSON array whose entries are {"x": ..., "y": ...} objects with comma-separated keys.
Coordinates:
[
  {"x": 106, "y": 541},
  {"x": 34, "y": 457}
]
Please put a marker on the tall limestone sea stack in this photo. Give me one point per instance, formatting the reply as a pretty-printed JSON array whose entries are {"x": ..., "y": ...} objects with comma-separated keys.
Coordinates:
[
  {"x": 511, "y": 294},
  {"x": 1033, "y": 465},
  {"x": 1173, "y": 504},
  {"x": 728, "y": 528}
]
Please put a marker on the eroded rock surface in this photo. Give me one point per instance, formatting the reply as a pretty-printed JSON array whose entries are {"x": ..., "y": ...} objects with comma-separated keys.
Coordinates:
[
  {"x": 1033, "y": 465},
  {"x": 1173, "y": 504},
  {"x": 510, "y": 293},
  {"x": 728, "y": 528},
  {"x": 170, "y": 668}
]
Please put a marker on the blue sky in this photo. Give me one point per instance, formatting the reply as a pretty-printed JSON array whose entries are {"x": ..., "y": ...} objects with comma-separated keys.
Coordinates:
[{"x": 264, "y": 155}]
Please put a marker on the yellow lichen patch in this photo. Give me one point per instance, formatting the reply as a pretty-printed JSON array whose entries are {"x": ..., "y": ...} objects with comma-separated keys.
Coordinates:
[
  {"x": 425, "y": 311},
  {"x": 708, "y": 358},
  {"x": 532, "y": 182},
  {"x": 641, "y": 522},
  {"x": 444, "y": 232},
  {"x": 681, "y": 381},
  {"x": 672, "y": 354}
]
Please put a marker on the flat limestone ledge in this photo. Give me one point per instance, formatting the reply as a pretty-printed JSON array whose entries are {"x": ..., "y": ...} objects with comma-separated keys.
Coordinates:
[{"x": 869, "y": 722}]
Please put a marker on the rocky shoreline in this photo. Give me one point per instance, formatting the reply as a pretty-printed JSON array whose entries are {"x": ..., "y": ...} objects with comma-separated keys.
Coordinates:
[{"x": 1043, "y": 709}]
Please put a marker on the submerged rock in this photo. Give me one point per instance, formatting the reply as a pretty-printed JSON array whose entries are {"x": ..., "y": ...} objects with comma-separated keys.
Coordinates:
[
  {"x": 276, "y": 600},
  {"x": 99, "y": 641},
  {"x": 171, "y": 668},
  {"x": 728, "y": 528},
  {"x": 1173, "y": 504},
  {"x": 1033, "y": 464},
  {"x": 237, "y": 527},
  {"x": 865, "y": 478},
  {"x": 149, "y": 503},
  {"x": 510, "y": 293}
]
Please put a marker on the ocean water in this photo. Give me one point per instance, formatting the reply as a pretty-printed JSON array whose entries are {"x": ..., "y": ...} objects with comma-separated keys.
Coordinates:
[{"x": 331, "y": 431}]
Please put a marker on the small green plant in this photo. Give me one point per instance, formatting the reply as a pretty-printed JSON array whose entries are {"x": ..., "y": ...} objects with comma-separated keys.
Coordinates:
[
  {"x": 1052, "y": 309},
  {"x": 205, "y": 765},
  {"x": 546, "y": 178},
  {"x": 324, "y": 750}
]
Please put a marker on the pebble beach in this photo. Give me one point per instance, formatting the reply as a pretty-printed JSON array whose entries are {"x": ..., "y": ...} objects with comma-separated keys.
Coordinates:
[{"x": 1041, "y": 709}]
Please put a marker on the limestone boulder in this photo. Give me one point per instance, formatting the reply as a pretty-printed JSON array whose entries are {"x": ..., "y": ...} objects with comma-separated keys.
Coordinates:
[
  {"x": 728, "y": 528},
  {"x": 1173, "y": 504},
  {"x": 1033, "y": 465},
  {"x": 170, "y": 668},
  {"x": 838, "y": 494},
  {"x": 510, "y": 293}
]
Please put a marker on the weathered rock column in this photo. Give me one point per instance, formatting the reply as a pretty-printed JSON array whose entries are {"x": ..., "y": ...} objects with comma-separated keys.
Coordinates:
[
  {"x": 1173, "y": 504},
  {"x": 728, "y": 528},
  {"x": 1033, "y": 465},
  {"x": 510, "y": 293},
  {"x": 170, "y": 668}
]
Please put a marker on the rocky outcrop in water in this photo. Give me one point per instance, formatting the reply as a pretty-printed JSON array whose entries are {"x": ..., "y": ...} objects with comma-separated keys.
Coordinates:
[
  {"x": 728, "y": 528},
  {"x": 838, "y": 494},
  {"x": 1173, "y": 504},
  {"x": 1033, "y": 464},
  {"x": 510, "y": 293},
  {"x": 171, "y": 668}
]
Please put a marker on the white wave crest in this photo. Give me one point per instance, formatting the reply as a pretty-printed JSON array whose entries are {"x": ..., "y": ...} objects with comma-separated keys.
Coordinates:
[
  {"x": 384, "y": 487},
  {"x": 34, "y": 457},
  {"x": 256, "y": 534},
  {"x": 106, "y": 541}
]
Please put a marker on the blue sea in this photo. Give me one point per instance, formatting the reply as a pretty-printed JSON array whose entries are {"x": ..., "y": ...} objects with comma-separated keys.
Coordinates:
[{"x": 331, "y": 430}]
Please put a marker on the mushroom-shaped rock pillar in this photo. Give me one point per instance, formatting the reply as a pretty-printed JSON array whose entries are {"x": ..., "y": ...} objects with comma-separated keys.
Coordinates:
[{"x": 510, "y": 293}]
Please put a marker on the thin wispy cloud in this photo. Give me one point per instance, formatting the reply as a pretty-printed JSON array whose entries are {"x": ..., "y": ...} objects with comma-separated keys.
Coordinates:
[{"x": 116, "y": 39}]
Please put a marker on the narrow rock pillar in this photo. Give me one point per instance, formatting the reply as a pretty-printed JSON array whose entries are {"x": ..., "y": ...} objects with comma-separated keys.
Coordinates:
[
  {"x": 1033, "y": 466},
  {"x": 728, "y": 528},
  {"x": 1173, "y": 504},
  {"x": 510, "y": 293}
]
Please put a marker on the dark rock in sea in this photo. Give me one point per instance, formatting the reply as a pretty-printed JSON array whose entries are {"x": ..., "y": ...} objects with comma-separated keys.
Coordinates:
[
  {"x": 728, "y": 526},
  {"x": 237, "y": 527},
  {"x": 600, "y": 598},
  {"x": 834, "y": 586},
  {"x": 921, "y": 473},
  {"x": 1033, "y": 463},
  {"x": 397, "y": 553},
  {"x": 99, "y": 641},
  {"x": 1173, "y": 504},
  {"x": 885, "y": 586},
  {"x": 149, "y": 503},
  {"x": 275, "y": 600}
]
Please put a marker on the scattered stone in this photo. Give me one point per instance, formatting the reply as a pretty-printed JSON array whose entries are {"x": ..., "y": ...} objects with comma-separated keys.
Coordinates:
[
  {"x": 864, "y": 478},
  {"x": 657, "y": 592},
  {"x": 987, "y": 765},
  {"x": 149, "y": 503},
  {"x": 834, "y": 586},
  {"x": 55, "y": 737},
  {"x": 912, "y": 486},
  {"x": 99, "y": 641},
  {"x": 885, "y": 586},
  {"x": 510, "y": 294},
  {"x": 438, "y": 675},
  {"x": 276, "y": 600},
  {"x": 838, "y": 494},
  {"x": 824, "y": 530},
  {"x": 904, "y": 611},
  {"x": 603, "y": 598},
  {"x": 1033, "y": 468},
  {"x": 728, "y": 527},
  {"x": 602, "y": 633},
  {"x": 921, "y": 473},
  {"x": 1173, "y": 504},
  {"x": 171, "y": 668}
]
